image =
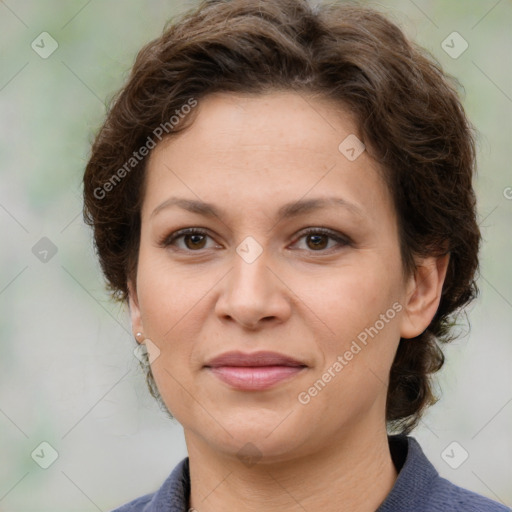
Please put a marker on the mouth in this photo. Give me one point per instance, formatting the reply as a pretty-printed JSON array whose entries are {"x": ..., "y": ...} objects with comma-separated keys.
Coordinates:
[{"x": 254, "y": 372}]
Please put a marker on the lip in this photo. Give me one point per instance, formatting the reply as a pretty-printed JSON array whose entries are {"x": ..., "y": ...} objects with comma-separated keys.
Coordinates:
[
  {"x": 262, "y": 358},
  {"x": 256, "y": 371}
]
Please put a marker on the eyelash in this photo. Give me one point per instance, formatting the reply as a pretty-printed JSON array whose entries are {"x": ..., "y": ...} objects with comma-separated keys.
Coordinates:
[{"x": 169, "y": 240}]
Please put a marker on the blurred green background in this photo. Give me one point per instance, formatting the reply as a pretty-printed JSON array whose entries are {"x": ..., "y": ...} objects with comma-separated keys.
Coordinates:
[{"x": 68, "y": 376}]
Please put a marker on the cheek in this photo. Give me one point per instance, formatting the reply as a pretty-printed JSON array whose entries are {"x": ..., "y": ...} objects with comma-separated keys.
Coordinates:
[
  {"x": 361, "y": 307},
  {"x": 166, "y": 306},
  {"x": 174, "y": 303},
  {"x": 357, "y": 356},
  {"x": 352, "y": 298},
  {"x": 167, "y": 311},
  {"x": 167, "y": 293}
]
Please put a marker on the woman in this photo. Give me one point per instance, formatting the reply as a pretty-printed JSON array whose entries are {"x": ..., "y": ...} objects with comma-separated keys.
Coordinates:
[{"x": 283, "y": 195}]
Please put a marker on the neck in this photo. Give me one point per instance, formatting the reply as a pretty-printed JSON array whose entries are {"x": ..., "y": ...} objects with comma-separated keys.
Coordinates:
[{"x": 354, "y": 473}]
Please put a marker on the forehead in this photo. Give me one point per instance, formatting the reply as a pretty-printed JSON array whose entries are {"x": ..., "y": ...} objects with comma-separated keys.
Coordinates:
[
  {"x": 263, "y": 149},
  {"x": 278, "y": 120}
]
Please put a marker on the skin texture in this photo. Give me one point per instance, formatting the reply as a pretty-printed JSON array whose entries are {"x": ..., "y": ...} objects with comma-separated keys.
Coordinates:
[{"x": 304, "y": 296}]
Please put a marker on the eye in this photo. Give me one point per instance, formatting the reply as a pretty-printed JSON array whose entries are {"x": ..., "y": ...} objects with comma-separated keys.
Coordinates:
[
  {"x": 317, "y": 239},
  {"x": 193, "y": 238}
]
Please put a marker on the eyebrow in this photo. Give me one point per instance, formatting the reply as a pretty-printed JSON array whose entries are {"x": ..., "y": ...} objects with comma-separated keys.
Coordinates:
[{"x": 286, "y": 211}]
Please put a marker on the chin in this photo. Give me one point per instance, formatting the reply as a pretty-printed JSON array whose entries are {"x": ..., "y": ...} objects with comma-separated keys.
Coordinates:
[{"x": 262, "y": 440}]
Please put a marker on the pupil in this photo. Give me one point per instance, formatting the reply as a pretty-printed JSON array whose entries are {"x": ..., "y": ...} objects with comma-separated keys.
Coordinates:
[
  {"x": 316, "y": 237},
  {"x": 194, "y": 239}
]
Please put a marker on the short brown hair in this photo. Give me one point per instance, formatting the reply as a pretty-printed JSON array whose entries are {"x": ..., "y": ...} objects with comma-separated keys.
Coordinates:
[{"x": 409, "y": 118}]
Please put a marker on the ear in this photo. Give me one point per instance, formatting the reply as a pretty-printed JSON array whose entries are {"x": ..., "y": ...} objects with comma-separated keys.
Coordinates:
[
  {"x": 423, "y": 295},
  {"x": 133, "y": 303}
]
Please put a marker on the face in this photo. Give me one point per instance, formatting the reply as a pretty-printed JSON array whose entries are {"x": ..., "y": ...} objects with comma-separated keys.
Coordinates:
[{"x": 321, "y": 283}]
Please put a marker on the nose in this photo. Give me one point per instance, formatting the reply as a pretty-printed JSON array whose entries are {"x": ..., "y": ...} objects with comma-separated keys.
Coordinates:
[{"x": 253, "y": 294}]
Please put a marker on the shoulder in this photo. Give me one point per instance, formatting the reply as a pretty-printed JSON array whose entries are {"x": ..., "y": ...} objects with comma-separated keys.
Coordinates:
[
  {"x": 419, "y": 486},
  {"x": 446, "y": 493},
  {"x": 173, "y": 495}
]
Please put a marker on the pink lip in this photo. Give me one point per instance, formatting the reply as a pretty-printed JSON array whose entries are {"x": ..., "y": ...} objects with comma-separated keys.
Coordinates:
[
  {"x": 262, "y": 358},
  {"x": 254, "y": 372},
  {"x": 252, "y": 378}
]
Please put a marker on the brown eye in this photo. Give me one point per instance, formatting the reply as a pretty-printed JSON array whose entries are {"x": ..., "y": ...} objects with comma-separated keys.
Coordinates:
[
  {"x": 317, "y": 239},
  {"x": 194, "y": 239}
]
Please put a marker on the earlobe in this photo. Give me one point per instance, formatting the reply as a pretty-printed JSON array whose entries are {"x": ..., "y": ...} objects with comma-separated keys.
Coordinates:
[
  {"x": 424, "y": 295},
  {"x": 133, "y": 303}
]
